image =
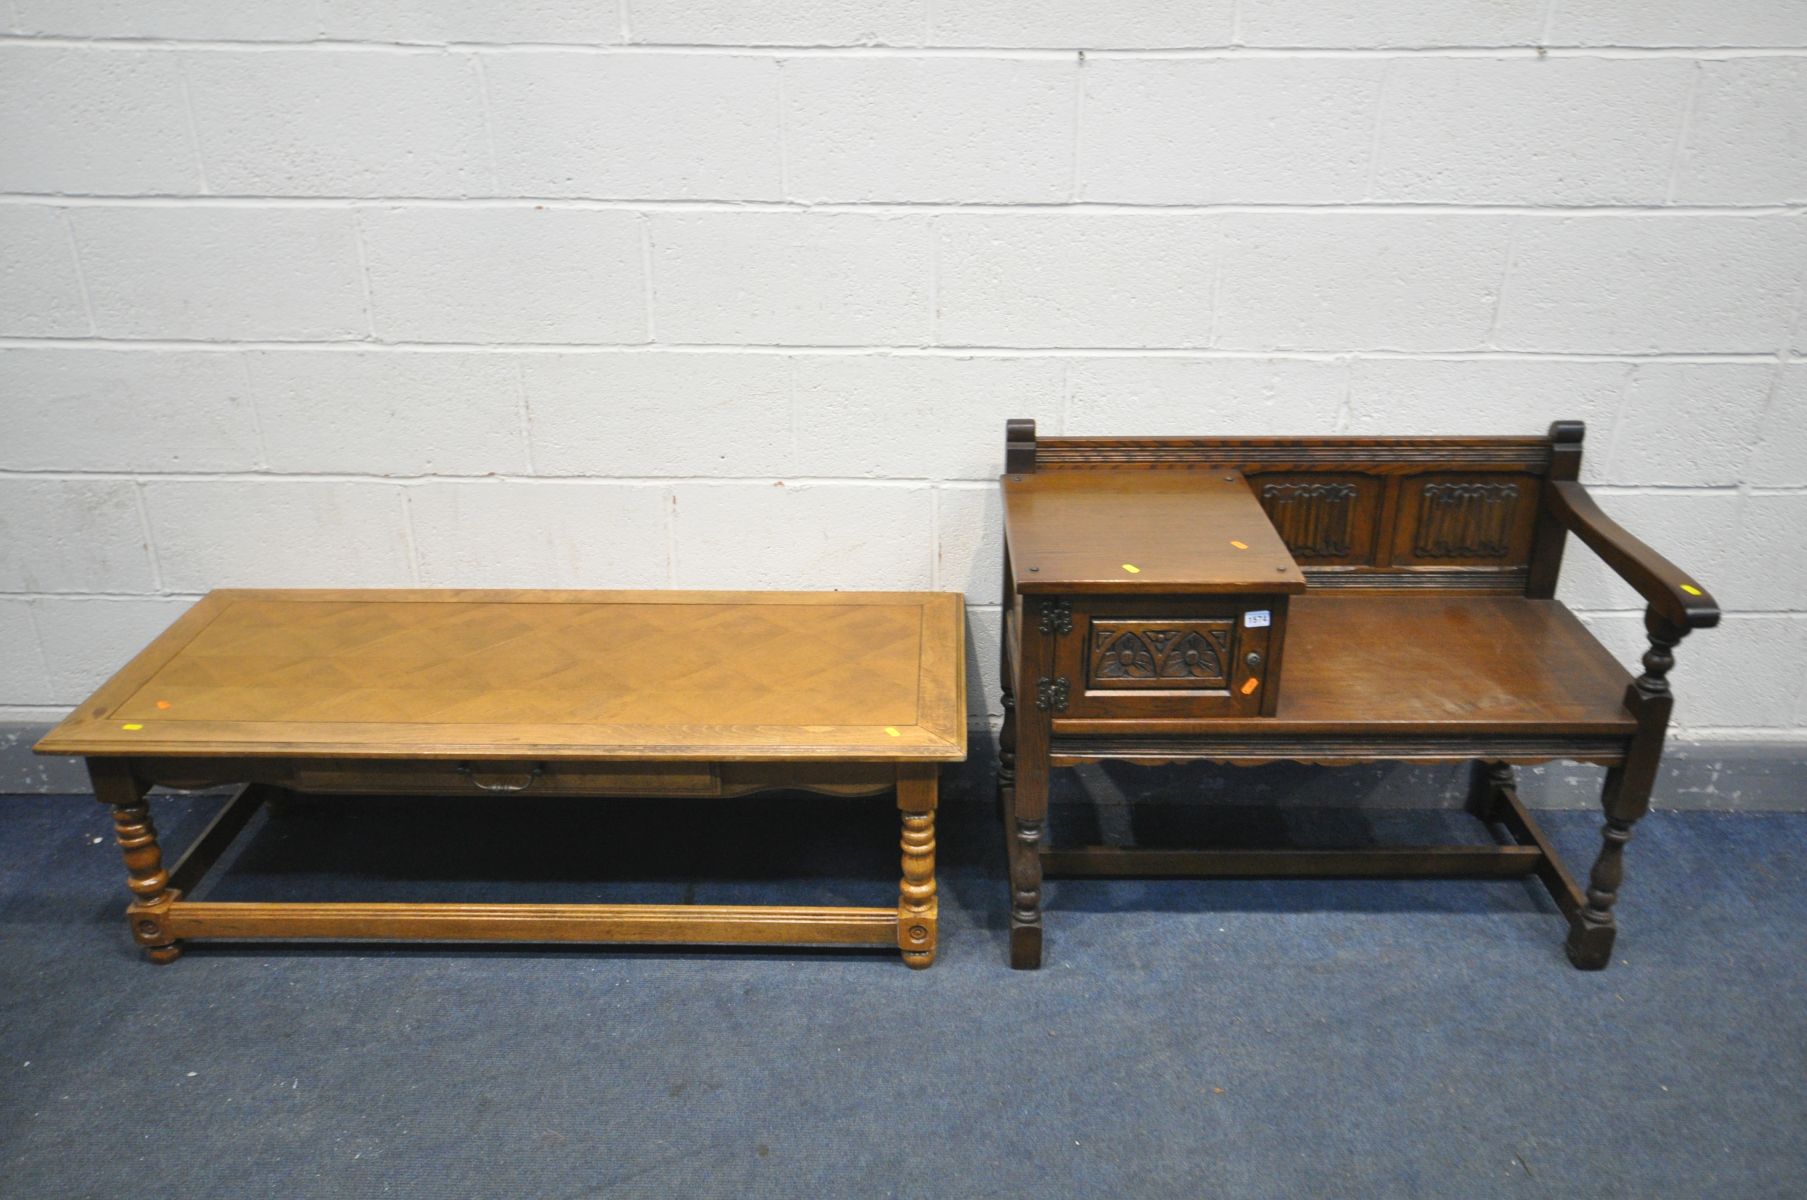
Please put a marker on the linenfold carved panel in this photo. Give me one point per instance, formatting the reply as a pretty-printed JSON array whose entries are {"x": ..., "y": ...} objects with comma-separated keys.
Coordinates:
[
  {"x": 1466, "y": 520},
  {"x": 1129, "y": 654},
  {"x": 1315, "y": 520}
]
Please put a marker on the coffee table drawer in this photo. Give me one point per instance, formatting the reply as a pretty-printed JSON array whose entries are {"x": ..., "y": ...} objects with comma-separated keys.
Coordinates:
[{"x": 586, "y": 779}]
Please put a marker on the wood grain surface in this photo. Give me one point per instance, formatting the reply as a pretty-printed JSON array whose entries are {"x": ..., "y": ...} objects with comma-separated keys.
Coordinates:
[
  {"x": 1180, "y": 531},
  {"x": 542, "y": 674}
]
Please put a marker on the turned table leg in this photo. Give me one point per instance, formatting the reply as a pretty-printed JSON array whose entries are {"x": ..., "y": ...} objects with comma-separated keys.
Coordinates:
[
  {"x": 918, "y": 909},
  {"x": 148, "y": 914}
]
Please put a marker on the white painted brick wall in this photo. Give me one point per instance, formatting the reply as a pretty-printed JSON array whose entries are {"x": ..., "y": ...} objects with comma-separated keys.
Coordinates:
[
  {"x": 1582, "y": 131},
  {"x": 40, "y": 287},
  {"x": 1192, "y": 131},
  {"x": 211, "y": 274},
  {"x": 957, "y": 130},
  {"x": 672, "y": 414},
  {"x": 375, "y": 413},
  {"x": 664, "y": 126},
  {"x": 290, "y": 533},
  {"x": 70, "y": 408},
  {"x": 538, "y": 534},
  {"x": 739, "y": 294},
  {"x": 337, "y": 123},
  {"x": 100, "y": 121},
  {"x": 487, "y": 275},
  {"x": 1083, "y": 280},
  {"x": 790, "y": 279}
]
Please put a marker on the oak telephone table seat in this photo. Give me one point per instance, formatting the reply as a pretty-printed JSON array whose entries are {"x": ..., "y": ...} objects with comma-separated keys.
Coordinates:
[
  {"x": 1425, "y": 631},
  {"x": 561, "y": 692}
]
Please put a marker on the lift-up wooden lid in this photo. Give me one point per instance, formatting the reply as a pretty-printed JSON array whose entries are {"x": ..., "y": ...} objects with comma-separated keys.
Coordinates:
[{"x": 1143, "y": 531}]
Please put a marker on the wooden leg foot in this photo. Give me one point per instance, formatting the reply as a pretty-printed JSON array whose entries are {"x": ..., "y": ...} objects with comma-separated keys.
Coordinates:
[
  {"x": 1026, "y": 895},
  {"x": 1591, "y": 935},
  {"x": 1025, "y": 946},
  {"x": 1589, "y": 946},
  {"x": 163, "y": 954}
]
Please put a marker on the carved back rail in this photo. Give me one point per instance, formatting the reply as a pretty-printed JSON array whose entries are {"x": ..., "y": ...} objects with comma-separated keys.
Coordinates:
[{"x": 1391, "y": 514}]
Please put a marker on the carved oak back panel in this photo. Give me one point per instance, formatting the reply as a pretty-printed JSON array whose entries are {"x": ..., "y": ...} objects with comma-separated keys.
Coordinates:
[{"x": 1455, "y": 513}]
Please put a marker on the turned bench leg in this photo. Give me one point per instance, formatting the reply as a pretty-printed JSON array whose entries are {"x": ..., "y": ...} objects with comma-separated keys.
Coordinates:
[
  {"x": 1022, "y": 849},
  {"x": 1626, "y": 795},
  {"x": 148, "y": 915},
  {"x": 918, "y": 909},
  {"x": 1593, "y": 930}
]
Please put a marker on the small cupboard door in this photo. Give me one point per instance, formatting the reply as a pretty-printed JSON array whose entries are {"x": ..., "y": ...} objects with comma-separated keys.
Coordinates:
[{"x": 1168, "y": 656}]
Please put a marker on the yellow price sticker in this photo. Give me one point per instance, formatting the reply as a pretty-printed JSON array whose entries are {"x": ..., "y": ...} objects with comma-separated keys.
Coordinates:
[
  {"x": 891, "y": 731},
  {"x": 1692, "y": 590},
  {"x": 1132, "y": 568},
  {"x": 1239, "y": 545},
  {"x": 134, "y": 728}
]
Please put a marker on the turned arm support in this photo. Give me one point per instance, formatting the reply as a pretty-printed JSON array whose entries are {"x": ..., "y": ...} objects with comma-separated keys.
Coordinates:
[{"x": 1664, "y": 586}]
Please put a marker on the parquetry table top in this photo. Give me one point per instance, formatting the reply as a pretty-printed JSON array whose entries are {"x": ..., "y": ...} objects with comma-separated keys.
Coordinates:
[{"x": 873, "y": 676}]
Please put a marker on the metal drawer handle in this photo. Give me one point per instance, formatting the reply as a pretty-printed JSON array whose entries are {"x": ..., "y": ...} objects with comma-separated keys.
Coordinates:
[{"x": 471, "y": 775}]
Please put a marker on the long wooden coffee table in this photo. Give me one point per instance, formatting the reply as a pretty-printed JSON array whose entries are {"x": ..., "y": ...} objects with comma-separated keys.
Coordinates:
[{"x": 555, "y": 692}]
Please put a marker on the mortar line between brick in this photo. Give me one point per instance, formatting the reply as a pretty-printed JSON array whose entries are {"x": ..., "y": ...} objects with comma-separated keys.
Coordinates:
[
  {"x": 144, "y": 526},
  {"x": 357, "y": 236},
  {"x": 1770, "y": 403},
  {"x": 1217, "y": 273},
  {"x": 257, "y": 416},
  {"x": 627, "y": 25},
  {"x": 1549, "y": 23},
  {"x": 489, "y": 124},
  {"x": 37, "y": 636},
  {"x": 520, "y": 371},
  {"x": 791, "y": 412},
  {"x": 1499, "y": 296},
  {"x": 935, "y": 537},
  {"x": 42, "y": 595},
  {"x": 1655, "y": 208},
  {"x": 1380, "y": 112},
  {"x": 646, "y": 275},
  {"x": 1785, "y": 351},
  {"x": 1684, "y": 131},
  {"x": 1078, "y": 180},
  {"x": 406, "y": 501},
  {"x": 904, "y": 350},
  {"x": 934, "y": 240},
  {"x": 194, "y": 125},
  {"x": 1345, "y": 412},
  {"x": 784, "y": 133},
  {"x": 1615, "y": 435},
  {"x": 671, "y": 536},
  {"x": 81, "y": 276},
  {"x": 908, "y": 50},
  {"x": 907, "y": 482}
]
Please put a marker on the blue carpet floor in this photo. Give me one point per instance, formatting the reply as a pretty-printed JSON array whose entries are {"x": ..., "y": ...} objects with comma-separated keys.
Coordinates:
[{"x": 1186, "y": 1039}]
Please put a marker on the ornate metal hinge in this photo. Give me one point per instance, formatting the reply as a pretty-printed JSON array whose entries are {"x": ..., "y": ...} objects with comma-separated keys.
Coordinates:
[
  {"x": 1057, "y": 617},
  {"x": 1051, "y": 693}
]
